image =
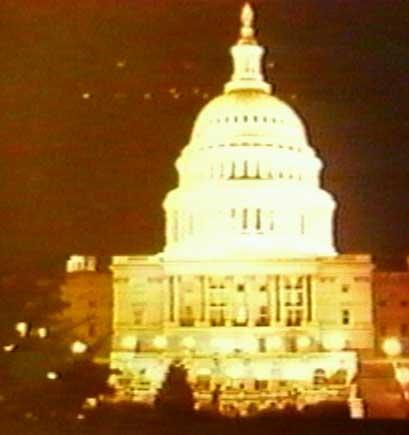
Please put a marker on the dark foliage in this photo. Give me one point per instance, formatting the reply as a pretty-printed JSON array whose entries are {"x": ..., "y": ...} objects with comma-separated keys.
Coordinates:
[{"x": 175, "y": 396}]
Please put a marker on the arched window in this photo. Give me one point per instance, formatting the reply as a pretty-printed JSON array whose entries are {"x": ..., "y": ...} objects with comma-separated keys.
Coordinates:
[
  {"x": 245, "y": 169},
  {"x": 233, "y": 170},
  {"x": 258, "y": 219},
  {"x": 271, "y": 223},
  {"x": 245, "y": 219}
]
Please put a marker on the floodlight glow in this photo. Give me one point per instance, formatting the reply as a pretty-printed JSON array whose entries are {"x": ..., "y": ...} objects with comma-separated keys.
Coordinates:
[
  {"x": 303, "y": 342},
  {"x": 204, "y": 371},
  {"x": 392, "y": 346},
  {"x": 9, "y": 347},
  {"x": 247, "y": 344},
  {"x": 160, "y": 342},
  {"x": 129, "y": 342},
  {"x": 334, "y": 341},
  {"x": 276, "y": 343},
  {"x": 189, "y": 343}
]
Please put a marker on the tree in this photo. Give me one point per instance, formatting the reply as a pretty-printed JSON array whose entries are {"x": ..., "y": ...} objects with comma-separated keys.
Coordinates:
[
  {"x": 175, "y": 395},
  {"x": 38, "y": 372}
]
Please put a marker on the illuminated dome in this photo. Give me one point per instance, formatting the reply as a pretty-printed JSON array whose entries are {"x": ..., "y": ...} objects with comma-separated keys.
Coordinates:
[
  {"x": 248, "y": 113},
  {"x": 249, "y": 182}
]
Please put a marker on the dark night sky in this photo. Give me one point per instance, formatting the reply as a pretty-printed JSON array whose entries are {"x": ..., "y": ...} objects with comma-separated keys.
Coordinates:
[{"x": 89, "y": 175}]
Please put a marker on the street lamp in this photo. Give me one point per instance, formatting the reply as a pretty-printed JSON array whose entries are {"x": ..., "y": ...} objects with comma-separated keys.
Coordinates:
[
  {"x": 52, "y": 376},
  {"x": 78, "y": 347},
  {"x": 303, "y": 342},
  {"x": 392, "y": 346},
  {"x": 42, "y": 332},
  {"x": 22, "y": 328}
]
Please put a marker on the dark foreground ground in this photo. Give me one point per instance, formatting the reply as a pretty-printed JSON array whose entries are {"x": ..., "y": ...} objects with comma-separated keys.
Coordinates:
[{"x": 104, "y": 423}]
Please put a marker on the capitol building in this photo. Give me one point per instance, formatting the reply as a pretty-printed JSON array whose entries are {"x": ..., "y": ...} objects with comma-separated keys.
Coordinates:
[{"x": 249, "y": 292}]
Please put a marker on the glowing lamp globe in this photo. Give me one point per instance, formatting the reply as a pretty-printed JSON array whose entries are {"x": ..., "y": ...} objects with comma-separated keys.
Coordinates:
[
  {"x": 52, "y": 376},
  {"x": 222, "y": 345},
  {"x": 22, "y": 328},
  {"x": 402, "y": 375},
  {"x": 235, "y": 371},
  {"x": 79, "y": 347},
  {"x": 42, "y": 332},
  {"x": 392, "y": 346},
  {"x": 303, "y": 342},
  {"x": 276, "y": 343},
  {"x": 247, "y": 344},
  {"x": 334, "y": 342}
]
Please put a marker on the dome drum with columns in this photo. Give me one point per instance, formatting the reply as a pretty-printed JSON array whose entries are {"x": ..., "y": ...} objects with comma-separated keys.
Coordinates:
[{"x": 249, "y": 182}]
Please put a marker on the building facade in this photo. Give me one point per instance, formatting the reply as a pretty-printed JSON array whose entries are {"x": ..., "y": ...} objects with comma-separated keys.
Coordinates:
[
  {"x": 391, "y": 302},
  {"x": 249, "y": 293},
  {"x": 87, "y": 292}
]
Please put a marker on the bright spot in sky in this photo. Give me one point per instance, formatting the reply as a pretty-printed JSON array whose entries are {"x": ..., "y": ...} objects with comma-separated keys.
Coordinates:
[
  {"x": 120, "y": 63},
  {"x": 86, "y": 95},
  {"x": 147, "y": 96}
]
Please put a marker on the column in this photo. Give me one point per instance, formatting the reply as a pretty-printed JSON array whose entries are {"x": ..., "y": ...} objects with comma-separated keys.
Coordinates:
[
  {"x": 269, "y": 284},
  {"x": 176, "y": 300},
  {"x": 278, "y": 313},
  {"x": 171, "y": 300},
  {"x": 229, "y": 303},
  {"x": 249, "y": 286},
  {"x": 309, "y": 299},
  {"x": 205, "y": 300}
]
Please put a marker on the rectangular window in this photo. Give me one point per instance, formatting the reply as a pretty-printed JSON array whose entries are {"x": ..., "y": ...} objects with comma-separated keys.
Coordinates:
[
  {"x": 346, "y": 317},
  {"x": 245, "y": 219},
  {"x": 258, "y": 219},
  {"x": 345, "y": 288},
  {"x": 240, "y": 287},
  {"x": 262, "y": 345}
]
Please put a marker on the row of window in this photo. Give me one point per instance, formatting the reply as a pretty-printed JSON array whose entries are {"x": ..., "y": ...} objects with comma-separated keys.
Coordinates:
[
  {"x": 403, "y": 330},
  {"x": 246, "y": 118},
  {"x": 384, "y": 303},
  {"x": 246, "y": 220},
  {"x": 252, "y": 144}
]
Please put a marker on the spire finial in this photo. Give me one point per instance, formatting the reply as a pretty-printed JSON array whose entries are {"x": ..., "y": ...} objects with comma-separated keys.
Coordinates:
[{"x": 247, "y": 20}]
